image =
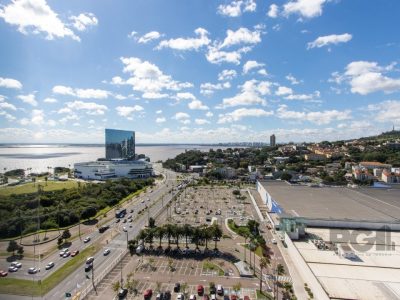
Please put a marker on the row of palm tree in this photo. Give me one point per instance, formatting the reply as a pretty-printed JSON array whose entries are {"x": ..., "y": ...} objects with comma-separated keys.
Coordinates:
[{"x": 192, "y": 234}]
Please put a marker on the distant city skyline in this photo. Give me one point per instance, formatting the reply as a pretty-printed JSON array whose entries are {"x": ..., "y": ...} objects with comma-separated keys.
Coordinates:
[{"x": 198, "y": 71}]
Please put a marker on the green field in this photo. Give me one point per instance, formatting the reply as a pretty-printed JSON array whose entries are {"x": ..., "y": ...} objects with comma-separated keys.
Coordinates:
[
  {"x": 27, "y": 188},
  {"x": 27, "y": 287}
]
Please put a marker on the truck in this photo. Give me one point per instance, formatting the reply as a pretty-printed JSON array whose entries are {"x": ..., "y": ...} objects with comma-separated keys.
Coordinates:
[{"x": 120, "y": 213}]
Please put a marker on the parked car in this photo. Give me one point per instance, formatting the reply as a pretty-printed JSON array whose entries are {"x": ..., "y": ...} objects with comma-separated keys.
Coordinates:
[
  {"x": 226, "y": 297},
  {"x": 233, "y": 297},
  {"x": 49, "y": 265},
  {"x": 124, "y": 229},
  {"x": 167, "y": 295},
  {"x": 205, "y": 297},
  {"x": 159, "y": 296},
  {"x": 131, "y": 210},
  {"x": 88, "y": 267},
  {"x": 3, "y": 273},
  {"x": 74, "y": 253},
  {"x": 66, "y": 254},
  {"x": 89, "y": 260},
  {"x": 33, "y": 270},
  {"x": 213, "y": 297},
  {"x": 147, "y": 294},
  {"x": 117, "y": 220},
  {"x": 122, "y": 293},
  {"x": 220, "y": 290},
  {"x": 106, "y": 252},
  {"x": 16, "y": 264},
  {"x": 87, "y": 239},
  {"x": 213, "y": 290},
  {"x": 124, "y": 221},
  {"x": 62, "y": 252},
  {"x": 130, "y": 221},
  {"x": 177, "y": 287},
  {"x": 200, "y": 290},
  {"x": 180, "y": 296},
  {"x": 192, "y": 297}
]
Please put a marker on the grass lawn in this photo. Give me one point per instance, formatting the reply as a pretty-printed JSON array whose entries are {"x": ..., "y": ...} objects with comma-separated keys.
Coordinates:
[
  {"x": 259, "y": 250},
  {"x": 27, "y": 287},
  {"x": 213, "y": 267},
  {"x": 27, "y": 188}
]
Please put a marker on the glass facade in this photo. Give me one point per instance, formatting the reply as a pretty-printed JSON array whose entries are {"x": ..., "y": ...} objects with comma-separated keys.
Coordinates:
[{"x": 120, "y": 144}]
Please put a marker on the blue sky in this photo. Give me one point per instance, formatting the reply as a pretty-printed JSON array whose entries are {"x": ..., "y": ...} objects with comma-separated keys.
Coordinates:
[{"x": 198, "y": 71}]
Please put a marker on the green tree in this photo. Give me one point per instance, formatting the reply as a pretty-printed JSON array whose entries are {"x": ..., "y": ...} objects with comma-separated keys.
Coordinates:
[
  {"x": 116, "y": 286},
  {"x": 263, "y": 264},
  {"x": 216, "y": 233},
  {"x": 12, "y": 246},
  {"x": 187, "y": 232},
  {"x": 20, "y": 251},
  {"x": 66, "y": 234},
  {"x": 237, "y": 287},
  {"x": 280, "y": 269},
  {"x": 286, "y": 176},
  {"x": 152, "y": 222}
]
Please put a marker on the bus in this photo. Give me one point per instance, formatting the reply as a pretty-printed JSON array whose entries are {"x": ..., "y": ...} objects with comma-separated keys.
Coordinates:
[{"x": 120, "y": 213}]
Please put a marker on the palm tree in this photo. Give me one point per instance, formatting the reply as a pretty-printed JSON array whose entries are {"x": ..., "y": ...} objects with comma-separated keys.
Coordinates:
[
  {"x": 263, "y": 264},
  {"x": 280, "y": 269},
  {"x": 246, "y": 236},
  {"x": 168, "y": 231},
  {"x": 216, "y": 233},
  {"x": 196, "y": 236},
  {"x": 205, "y": 234},
  {"x": 159, "y": 233},
  {"x": 187, "y": 232},
  {"x": 150, "y": 236},
  {"x": 142, "y": 235},
  {"x": 177, "y": 233}
]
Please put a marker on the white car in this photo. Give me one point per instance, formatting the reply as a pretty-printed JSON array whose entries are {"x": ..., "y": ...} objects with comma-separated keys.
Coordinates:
[
  {"x": 142, "y": 201},
  {"x": 124, "y": 229},
  {"x": 16, "y": 264},
  {"x": 49, "y": 265},
  {"x": 12, "y": 269},
  {"x": 33, "y": 270},
  {"x": 274, "y": 241},
  {"x": 180, "y": 296},
  {"x": 63, "y": 251},
  {"x": 106, "y": 252},
  {"x": 86, "y": 240}
]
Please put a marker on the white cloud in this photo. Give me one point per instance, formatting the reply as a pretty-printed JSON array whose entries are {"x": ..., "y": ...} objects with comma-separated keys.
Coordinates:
[
  {"x": 10, "y": 83},
  {"x": 81, "y": 93},
  {"x": 201, "y": 121},
  {"x": 50, "y": 100},
  {"x": 251, "y": 92},
  {"x": 317, "y": 117},
  {"x": 241, "y": 113},
  {"x": 186, "y": 44},
  {"x": 329, "y": 40},
  {"x": 35, "y": 16},
  {"x": 283, "y": 90},
  {"x": 237, "y": 7},
  {"x": 29, "y": 99},
  {"x": 197, "y": 104},
  {"x": 91, "y": 108},
  {"x": 120, "y": 97},
  {"x": 149, "y": 79},
  {"x": 273, "y": 11},
  {"x": 37, "y": 117},
  {"x": 161, "y": 120},
  {"x": 241, "y": 36},
  {"x": 262, "y": 72},
  {"x": 209, "y": 88},
  {"x": 185, "y": 96},
  {"x": 367, "y": 77},
  {"x": 304, "y": 8},
  {"x": 128, "y": 111},
  {"x": 182, "y": 117},
  {"x": 217, "y": 56},
  {"x": 386, "y": 111},
  {"x": 304, "y": 97},
  {"x": 159, "y": 112},
  {"x": 209, "y": 114},
  {"x": 6, "y": 105},
  {"x": 132, "y": 34},
  {"x": 227, "y": 75},
  {"x": 84, "y": 20},
  {"x": 251, "y": 64},
  {"x": 150, "y": 36},
  {"x": 292, "y": 79}
]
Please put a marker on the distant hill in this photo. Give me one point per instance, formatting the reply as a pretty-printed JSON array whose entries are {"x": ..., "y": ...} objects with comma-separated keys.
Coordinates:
[{"x": 393, "y": 134}]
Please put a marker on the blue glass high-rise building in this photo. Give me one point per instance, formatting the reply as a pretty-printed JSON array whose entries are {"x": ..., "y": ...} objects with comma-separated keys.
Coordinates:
[{"x": 120, "y": 144}]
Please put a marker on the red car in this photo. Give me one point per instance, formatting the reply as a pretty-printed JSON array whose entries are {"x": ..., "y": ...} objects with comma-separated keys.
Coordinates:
[
  {"x": 74, "y": 253},
  {"x": 3, "y": 273},
  {"x": 233, "y": 297},
  {"x": 147, "y": 294},
  {"x": 200, "y": 290}
]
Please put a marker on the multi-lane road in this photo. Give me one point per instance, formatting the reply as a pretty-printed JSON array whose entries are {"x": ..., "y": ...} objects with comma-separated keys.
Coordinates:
[{"x": 154, "y": 199}]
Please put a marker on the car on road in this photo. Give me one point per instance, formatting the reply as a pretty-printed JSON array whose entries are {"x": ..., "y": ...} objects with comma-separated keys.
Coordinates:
[
  {"x": 142, "y": 201},
  {"x": 89, "y": 260},
  {"x": 106, "y": 252},
  {"x": 124, "y": 229},
  {"x": 220, "y": 290},
  {"x": 192, "y": 297},
  {"x": 3, "y": 273},
  {"x": 177, "y": 287},
  {"x": 66, "y": 254},
  {"x": 16, "y": 264},
  {"x": 49, "y": 265},
  {"x": 12, "y": 269},
  {"x": 147, "y": 294},
  {"x": 130, "y": 217},
  {"x": 131, "y": 210},
  {"x": 130, "y": 220},
  {"x": 122, "y": 293},
  {"x": 33, "y": 270},
  {"x": 88, "y": 267},
  {"x": 117, "y": 221},
  {"x": 63, "y": 251},
  {"x": 87, "y": 239},
  {"x": 274, "y": 241},
  {"x": 74, "y": 253},
  {"x": 124, "y": 221},
  {"x": 180, "y": 296},
  {"x": 200, "y": 290}
]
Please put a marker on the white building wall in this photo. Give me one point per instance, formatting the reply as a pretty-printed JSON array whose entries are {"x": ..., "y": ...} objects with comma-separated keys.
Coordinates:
[{"x": 264, "y": 195}]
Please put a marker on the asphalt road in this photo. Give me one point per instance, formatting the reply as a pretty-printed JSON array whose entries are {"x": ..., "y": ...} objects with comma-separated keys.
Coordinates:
[{"x": 117, "y": 243}]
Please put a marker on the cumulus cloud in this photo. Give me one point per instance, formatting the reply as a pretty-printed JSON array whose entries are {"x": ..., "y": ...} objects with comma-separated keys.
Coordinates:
[
  {"x": 251, "y": 92},
  {"x": 227, "y": 75},
  {"x": 149, "y": 79},
  {"x": 367, "y": 77},
  {"x": 332, "y": 39},
  {"x": 201, "y": 121},
  {"x": 217, "y": 56},
  {"x": 182, "y": 117},
  {"x": 237, "y": 7},
  {"x": 273, "y": 11},
  {"x": 161, "y": 120},
  {"x": 316, "y": 117},
  {"x": 35, "y": 16},
  {"x": 128, "y": 111},
  {"x": 150, "y": 36},
  {"x": 186, "y": 44},
  {"x": 209, "y": 114},
  {"x": 304, "y": 8},
  {"x": 283, "y": 90},
  {"x": 241, "y": 113},
  {"x": 185, "y": 96},
  {"x": 91, "y": 108},
  {"x": 241, "y": 36},
  {"x": 83, "y": 21},
  {"x": 50, "y": 100},
  {"x": 10, "y": 83},
  {"x": 251, "y": 64},
  {"x": 81, "y": 93},
  {"x": 28, "y": 99},
  {"x": 197, "y": 104},
  {"x": 292, "y": 79},
  {"x": 209, "y": 88},
  {"x": 386, "y": 111}
]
